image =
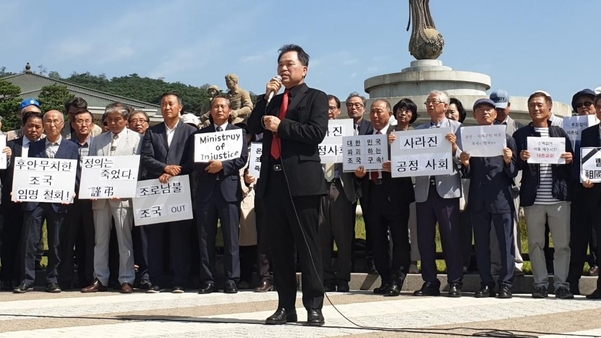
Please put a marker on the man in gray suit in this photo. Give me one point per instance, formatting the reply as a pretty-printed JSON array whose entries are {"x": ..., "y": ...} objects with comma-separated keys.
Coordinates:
[
  {"x": 337, "y": 218},
  {"x": 437, "y": 200},
  {"x": 119, "y": 141}
]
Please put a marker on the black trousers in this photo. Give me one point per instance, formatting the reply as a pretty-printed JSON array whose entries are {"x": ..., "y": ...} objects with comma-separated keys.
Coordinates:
[
  {"x": 263, "y": 257},
  {"x": 207, "y": 214},
  {"x": 77, "y": 231},
  {"x": 503, "y": 226},
  {"x": 12, "y": 254},
  {"x": 32, "y": 232},
  {"x": 336, "y": 223},
  {"x": 386, "y": 218},
  {"x": 581, "y": 235},
  {"x": 177, "y": 253},
  {"x": 293, "y": 223},
  {"x": 140, "y": 241}
]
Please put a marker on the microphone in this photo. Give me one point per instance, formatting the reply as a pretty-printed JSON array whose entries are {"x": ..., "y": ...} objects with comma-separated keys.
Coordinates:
[{"x": 272, "y": 93}]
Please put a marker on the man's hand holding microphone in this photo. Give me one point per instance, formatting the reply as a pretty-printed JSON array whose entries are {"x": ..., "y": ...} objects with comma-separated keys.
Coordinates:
[{"x": 271, "y": 122}]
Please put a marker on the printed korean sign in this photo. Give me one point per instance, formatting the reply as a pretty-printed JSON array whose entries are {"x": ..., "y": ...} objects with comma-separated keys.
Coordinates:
[
  {"x": 574, "y": 125},
  {"x": 330, "y": 150},
  {"x": 590, "y": 165},
  {"x": 219, "y": 146},
  {"x": 483, "y": 141},
  {"x": 421, "y": 152},
  {"x": 368, "y": 151},
  {"x": 546, "y": 149},
  {"x": 50, "y": 180},
  {"x": 105, "y": 177},
  {"x": 157, "y": 202},
  {"x": 254, "y": 165}
]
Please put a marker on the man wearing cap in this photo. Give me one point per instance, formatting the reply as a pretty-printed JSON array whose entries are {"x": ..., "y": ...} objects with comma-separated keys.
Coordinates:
[
  {"x": 503, "y": 107},
  {"x": 191, "y": 119},
  {"x": 582, "y": 233},
  {"x": 490, "y": 201},
  {"x": 27, "y": 105},
  {"x": 545, "y": 198}
]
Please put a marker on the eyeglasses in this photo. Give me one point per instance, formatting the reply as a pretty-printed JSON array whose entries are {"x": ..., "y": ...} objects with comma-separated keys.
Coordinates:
[
  {"x": 433, "y": 102},
  {"x": 83, "y": 122},
  {"x": 137, "y": 121},
  {"x": 584, "y": 104},
  {"x": 333, "y": 107},
  {"x": 357, "y": 104},
  {"x": 55, "y": 122}
]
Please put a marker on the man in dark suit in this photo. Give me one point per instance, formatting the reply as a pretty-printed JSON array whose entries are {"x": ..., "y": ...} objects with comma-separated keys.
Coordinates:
[
  {"x": 218, "y": 196},
  {"x": 355, "y": 106},
  {"x": 591, "y": 137},
  {"x": 53, "y": 146},
  {"x": 387, "y": 212},
  {"x": 292, "y": 182},
  {"x": 33, "y": 129},
  {"x": 162, "y": 152},
  {"x": 490, "y": 200},
  {"x": 337, "y": 218}
]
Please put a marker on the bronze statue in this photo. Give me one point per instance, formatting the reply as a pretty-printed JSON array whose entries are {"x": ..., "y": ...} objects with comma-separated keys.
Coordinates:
[
  {"x": 240, "y": 101},
  {"x": 426, "y": 42},
  {"x": 212, "y": 90}
]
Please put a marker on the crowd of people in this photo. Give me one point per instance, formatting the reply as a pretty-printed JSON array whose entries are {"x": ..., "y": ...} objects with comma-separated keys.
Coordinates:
[{"x": 479, "y": 203}]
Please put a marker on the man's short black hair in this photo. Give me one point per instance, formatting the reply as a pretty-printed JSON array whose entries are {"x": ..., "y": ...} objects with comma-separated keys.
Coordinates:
[
  {"x": 77, "y": 102},
  {"x": 31, "y": 114},
  {"x": 332, "y": 97},
  {"x": 303, "y": 57}
]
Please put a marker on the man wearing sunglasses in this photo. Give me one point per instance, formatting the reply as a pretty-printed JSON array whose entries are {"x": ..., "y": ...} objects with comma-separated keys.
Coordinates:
[{"x": 581, "y": 229}]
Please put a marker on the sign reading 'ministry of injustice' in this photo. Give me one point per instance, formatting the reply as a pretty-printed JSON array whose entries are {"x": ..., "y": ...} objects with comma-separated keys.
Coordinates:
[{"x": 218, "y": 146}]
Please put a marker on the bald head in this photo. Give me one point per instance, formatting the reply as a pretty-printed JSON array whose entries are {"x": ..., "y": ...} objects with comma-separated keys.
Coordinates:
[{"x": 54, "y": 121}]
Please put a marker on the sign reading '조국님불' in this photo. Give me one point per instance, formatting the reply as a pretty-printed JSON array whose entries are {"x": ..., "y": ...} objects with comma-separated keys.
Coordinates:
[
  {"x": 50, "y": 180},
  {"x": 157, "y": 202},
  {"x": 421, "y": 153},
  {"x": 218, "y": 146}
]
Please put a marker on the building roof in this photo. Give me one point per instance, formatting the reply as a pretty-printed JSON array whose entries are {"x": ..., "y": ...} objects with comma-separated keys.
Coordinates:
[{"x": 31, "y": 85}]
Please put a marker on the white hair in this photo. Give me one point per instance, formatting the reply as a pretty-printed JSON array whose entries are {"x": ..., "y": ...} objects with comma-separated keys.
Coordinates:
[{"x": 442, "y": 96}]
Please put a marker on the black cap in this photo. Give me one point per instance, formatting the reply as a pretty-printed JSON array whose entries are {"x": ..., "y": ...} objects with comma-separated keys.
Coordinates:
[{"x": 584, "y": 92}]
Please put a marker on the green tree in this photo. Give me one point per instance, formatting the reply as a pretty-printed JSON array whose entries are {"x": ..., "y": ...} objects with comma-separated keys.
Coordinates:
[
  {"x": 54, "y": 75},
  {"x": 54, "y": 97},
  {"x": 9, "y": 105}
]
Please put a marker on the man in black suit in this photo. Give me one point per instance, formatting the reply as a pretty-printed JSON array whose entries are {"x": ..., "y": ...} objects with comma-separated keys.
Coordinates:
[
  {"x": 162, "y": 152},
  {"x": 218, "y": 196},
  {"x": 591, "y": 137},
  {"x": 387, "y": 212},
  {"x": 490, "y": 200},
  {"x": 53, "y": 146},
  {"x": 292, "y": 181},
  {"x": 337, "y": 218},
  {"x": 33, "y": 129},
  {"x": 355, "y": 106}
]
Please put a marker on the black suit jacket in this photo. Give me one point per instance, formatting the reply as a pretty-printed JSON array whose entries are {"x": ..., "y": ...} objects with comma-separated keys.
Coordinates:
[
  {"x": 228, "y": 179},
  {"x": 16, "y": 147},
  {"x": 301, "y": 132},
  {"x": 365, "y": 127},
  {"x": 66, "y": 150},
  {"x": 491, "y": 181},
  {"x": 590, "y": 138},
  {"x": 156, "y": 154}
]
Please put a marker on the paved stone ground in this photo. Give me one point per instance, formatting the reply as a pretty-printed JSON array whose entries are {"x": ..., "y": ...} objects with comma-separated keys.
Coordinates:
[{"x": 110, "y": 314}]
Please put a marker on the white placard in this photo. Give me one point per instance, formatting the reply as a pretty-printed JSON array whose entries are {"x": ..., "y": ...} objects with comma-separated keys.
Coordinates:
[
  {"x": 590, "y": 164},
  {"x": 546, "y": 149},
  {"x": 574, "y": 125},
  {"x": 49, "y": 180},
  {"x": 368, "y": 151},
  {"x": 2, "y": 154},
  {"x": 157, "y": 202},
  {"x": 218, "y": 146},
  {"x": 254, "y": 165},
  {"x": 421, "y": 152},
  {"x": 330, "y": 150},
  {"x": 483, "y": 141},
  {"x": 105, "y": 177}
]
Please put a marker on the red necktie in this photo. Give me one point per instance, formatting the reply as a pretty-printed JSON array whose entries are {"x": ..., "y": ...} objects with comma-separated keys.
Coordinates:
[
  {"x": 276, "y": 143},
  {"x": 374, "y": 174}
]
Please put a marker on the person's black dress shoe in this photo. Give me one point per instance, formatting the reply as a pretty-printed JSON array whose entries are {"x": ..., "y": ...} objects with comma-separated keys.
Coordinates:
[
  {"x": 53, "y": 288},
  {"x": 382, "y": 289},
  {"x": 207, "y": 287},
  {"x": 23, "y": 287},
  {"x": 230, "y": 287},
  {"x": 428, "y": 290},
  {"x": 392, "y": 291},
  {"x": 485, "y": 291},
  {"x": 595, "y": 295},
  {"x": 329, "y": 285},
  {"x": 454, "y": 290},
  {"x": 281, "y": 317},
  {"x": 315, "y": 318},
  {"x": 342, "y": 285},
  {"x": 265, "y": 286},
  {"x": 504, "y": 292}
]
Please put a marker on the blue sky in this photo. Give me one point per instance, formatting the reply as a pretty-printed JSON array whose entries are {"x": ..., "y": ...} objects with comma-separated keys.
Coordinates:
[{"x": 523, "y": 45}]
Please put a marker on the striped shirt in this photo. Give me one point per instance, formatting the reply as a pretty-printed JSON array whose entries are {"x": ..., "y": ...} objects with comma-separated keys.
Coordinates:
[{"x": 544, "y": 193}]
